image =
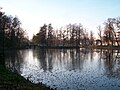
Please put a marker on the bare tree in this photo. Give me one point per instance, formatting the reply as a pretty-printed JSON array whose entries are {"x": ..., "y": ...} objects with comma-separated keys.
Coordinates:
[
  {"x": 100, "y": 34},
  {"x": 91, "y": 38}
]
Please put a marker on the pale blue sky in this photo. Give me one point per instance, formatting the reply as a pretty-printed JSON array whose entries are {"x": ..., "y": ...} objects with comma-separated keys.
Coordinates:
[{"x": 34, "y": 13}]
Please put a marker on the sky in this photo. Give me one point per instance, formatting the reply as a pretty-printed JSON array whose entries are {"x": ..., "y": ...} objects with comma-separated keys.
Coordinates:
[{"x": 34, "y": 13}]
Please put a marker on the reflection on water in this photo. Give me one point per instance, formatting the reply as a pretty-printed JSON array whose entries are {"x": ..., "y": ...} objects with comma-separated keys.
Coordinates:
[{"x": 68, "y": 69}]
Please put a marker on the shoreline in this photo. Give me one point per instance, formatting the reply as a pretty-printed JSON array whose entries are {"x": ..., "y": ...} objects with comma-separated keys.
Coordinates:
[
  {"x": 13, "y": 81},
  {"x": 77, "y": 47}
]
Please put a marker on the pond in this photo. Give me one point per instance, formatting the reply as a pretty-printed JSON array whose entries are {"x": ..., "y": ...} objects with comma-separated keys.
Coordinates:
[{"x": 68, "y": 69}]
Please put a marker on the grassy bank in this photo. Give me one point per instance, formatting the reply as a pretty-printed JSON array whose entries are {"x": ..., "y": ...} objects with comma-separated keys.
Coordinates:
[{"x": 13, "y": 81}]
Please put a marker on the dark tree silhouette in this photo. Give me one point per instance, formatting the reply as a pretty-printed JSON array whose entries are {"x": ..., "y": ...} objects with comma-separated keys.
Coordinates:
[
  {"x": 42, "y": 35},
  {"x": 11, "y": 33},
  {"x": 50, "y": 35}
]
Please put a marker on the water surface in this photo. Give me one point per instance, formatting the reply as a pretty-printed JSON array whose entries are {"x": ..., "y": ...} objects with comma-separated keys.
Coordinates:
[{"x": 68, "y": 69}]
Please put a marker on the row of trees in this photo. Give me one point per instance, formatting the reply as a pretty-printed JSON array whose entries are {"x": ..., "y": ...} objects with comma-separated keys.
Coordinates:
[
  {"x": 110, "y": 33},
  {"x": 70, "y": 35},
  {"x": 11, "y": 33},
  {"x": 76, "y": 35}
]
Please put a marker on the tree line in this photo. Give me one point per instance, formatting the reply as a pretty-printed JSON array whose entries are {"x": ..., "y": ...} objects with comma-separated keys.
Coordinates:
[
  {"x": 70, "y": 35},
  {"x": 77, "y": 35},
  {"x": 12, "y": 34}
]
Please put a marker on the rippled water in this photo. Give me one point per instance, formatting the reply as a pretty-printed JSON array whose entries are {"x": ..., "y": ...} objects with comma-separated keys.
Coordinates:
[{"x": 65, "y": 69}]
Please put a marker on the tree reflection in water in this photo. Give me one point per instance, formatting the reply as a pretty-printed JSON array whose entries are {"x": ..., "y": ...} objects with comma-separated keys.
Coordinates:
[
  {"x": 111, "y": 60},
  {"x": 69, "y": 59},
  {"x": 14, "y": 59}
]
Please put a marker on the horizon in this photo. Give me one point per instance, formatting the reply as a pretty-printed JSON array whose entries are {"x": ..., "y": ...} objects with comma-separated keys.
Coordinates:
[{"x": 34, "y": 13}]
